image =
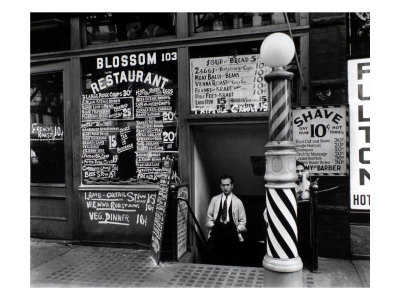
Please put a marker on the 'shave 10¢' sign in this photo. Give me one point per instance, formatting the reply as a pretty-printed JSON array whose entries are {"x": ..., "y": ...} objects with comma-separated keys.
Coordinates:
[{"x": 320, "y": 134}]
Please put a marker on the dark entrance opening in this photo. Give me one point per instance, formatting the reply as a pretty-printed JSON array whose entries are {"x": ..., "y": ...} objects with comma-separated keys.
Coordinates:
[{"x": 238, "y": 150}]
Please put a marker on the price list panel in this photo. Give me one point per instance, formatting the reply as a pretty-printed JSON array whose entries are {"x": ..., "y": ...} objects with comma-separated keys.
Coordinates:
[
  {"x": 320, "y": 134},
  {"x": 228, "y": 84},
  {"x": 155, "y": 131},
  {"x": 118, "y": 216},
  {"x": 128, "y": 116}
]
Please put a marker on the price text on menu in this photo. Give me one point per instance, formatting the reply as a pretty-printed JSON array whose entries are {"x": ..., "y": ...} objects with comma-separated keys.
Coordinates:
[
  {"x": 320, "y": 137},
  {"x": 228, "y": 84}
]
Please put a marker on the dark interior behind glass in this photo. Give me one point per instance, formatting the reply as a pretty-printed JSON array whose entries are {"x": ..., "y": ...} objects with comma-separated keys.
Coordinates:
[{"x": 47, "y": 128}]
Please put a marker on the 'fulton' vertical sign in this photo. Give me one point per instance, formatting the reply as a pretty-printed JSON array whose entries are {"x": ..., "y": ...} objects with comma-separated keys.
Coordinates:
[{"x": 359, "y": 102}]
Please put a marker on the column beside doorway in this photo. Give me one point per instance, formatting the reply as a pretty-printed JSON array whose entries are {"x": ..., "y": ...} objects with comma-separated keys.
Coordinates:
[{"x": 280, "y": 214}]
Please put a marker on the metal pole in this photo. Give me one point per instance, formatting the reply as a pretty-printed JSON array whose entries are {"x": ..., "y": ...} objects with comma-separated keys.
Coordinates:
[
  {"x": 295, "y": 53},
  {"x": 194, "y": 219},
  {"x": 314, "y": 222}
]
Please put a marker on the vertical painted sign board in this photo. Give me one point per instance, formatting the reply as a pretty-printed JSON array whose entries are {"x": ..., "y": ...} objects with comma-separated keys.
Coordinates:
[{"x": 359, "y": 88}]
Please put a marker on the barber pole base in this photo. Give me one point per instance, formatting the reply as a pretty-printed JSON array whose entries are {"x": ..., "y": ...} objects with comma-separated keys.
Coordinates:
[
  {"x": 282, "y": 265},
  {"x": 281, "y": 213},
  {"x": 281, "y": 208}
]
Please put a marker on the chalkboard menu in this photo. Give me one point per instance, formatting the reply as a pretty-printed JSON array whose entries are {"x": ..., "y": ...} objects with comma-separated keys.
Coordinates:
[
  {"x": 228, "y": 84},
  {"x": 154, "y": 138},
  {"x": 128, "y": 116},
  {"x": 118, "y": 216},
  {"x": 160, "y": 209}
]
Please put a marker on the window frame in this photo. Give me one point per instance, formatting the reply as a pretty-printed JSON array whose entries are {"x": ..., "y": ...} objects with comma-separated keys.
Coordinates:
[
  {"x": 64, "y": 67},
  {"x": 139, "y": 41}
]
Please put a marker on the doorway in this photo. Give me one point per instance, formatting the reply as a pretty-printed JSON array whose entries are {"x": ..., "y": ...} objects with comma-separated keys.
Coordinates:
[
  {"x": 237, "y": 150},
  {"x": 51, "y": 152}
]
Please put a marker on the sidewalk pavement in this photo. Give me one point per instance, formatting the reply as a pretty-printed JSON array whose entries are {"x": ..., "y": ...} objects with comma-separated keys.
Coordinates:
[{"x": 59, "y": 264}]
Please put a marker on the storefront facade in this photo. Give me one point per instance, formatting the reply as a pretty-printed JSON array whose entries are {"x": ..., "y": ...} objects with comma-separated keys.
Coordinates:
[{"x": 114, "y": 95}]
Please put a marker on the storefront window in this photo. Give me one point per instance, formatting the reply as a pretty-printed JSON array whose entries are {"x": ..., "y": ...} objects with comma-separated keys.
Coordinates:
[
  {"x": 50, "y": 32},
  {"x": 222, "y": 21},
  {"x": 129, "y": 122},
  {"x": 47, "y": 128},
  {"x": 113, "y": 27},
  {"x": 358, "y": 34}
]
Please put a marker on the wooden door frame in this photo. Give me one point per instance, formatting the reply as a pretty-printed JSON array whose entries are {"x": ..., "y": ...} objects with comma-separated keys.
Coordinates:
[{"x": 53, "y": 190}]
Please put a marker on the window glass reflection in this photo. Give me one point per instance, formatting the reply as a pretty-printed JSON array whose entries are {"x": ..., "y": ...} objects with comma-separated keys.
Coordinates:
[
  {"x": 50, "y": 32},
  {"x": 113, "y": 27},
  {"x": 47, "y": 128},
  {"x": 222, "y": 21}
]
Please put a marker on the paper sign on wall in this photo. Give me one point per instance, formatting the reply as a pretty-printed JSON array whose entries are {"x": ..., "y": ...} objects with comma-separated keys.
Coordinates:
[{"x": 320, "y": 137}]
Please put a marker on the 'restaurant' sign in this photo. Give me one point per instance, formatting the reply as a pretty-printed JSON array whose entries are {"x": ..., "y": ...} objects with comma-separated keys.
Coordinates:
[
  {"x": 128, "y": 113},
  {"x": 228, "y": 84},
  {"x": 359, "y": 101},
  {"x": 320, "y": 137}
]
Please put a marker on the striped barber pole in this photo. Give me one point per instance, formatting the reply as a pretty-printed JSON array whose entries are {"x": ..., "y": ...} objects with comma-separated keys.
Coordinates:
[
  {"x": 282, "y": 226},
  {"x": 280, "y": 175},
  {"x": 280, "y": 122}
]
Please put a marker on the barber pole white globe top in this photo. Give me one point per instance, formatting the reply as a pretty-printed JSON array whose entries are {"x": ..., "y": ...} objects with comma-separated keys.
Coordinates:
[{"x": 277, "y": 50}]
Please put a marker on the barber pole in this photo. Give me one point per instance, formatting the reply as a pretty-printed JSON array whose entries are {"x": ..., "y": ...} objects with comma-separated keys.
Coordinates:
[
  {"x": 277, "y": 51},
  {"x": 280, "y": 177},
  {"x": 279, "y": 118},
  {"x": 282, "y": 229}
]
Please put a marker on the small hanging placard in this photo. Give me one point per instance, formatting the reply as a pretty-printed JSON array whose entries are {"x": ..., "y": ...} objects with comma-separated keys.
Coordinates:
[{"x": 160, "y": 209}]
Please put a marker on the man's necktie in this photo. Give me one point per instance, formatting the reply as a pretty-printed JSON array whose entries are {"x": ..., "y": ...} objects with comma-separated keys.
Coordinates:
[{"x": 225, "y": 210}]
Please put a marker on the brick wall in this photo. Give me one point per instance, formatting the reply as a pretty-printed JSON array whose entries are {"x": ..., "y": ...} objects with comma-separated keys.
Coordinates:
[
  {"x": 328, "y": 86},
  {"x": 328, "y": 58}
]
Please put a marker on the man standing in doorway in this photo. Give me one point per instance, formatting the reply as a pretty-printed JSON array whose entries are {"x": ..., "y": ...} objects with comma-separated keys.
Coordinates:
[
  {"x": 226, "y": 218},
  {"x": 303, "y": 185}
]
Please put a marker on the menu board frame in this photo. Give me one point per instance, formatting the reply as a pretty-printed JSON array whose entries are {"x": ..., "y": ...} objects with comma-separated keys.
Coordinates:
[
  {"x": 122, "y": 215},
  {"x": 228, "y": 85},
  {"x": 128, "y": 116}
]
